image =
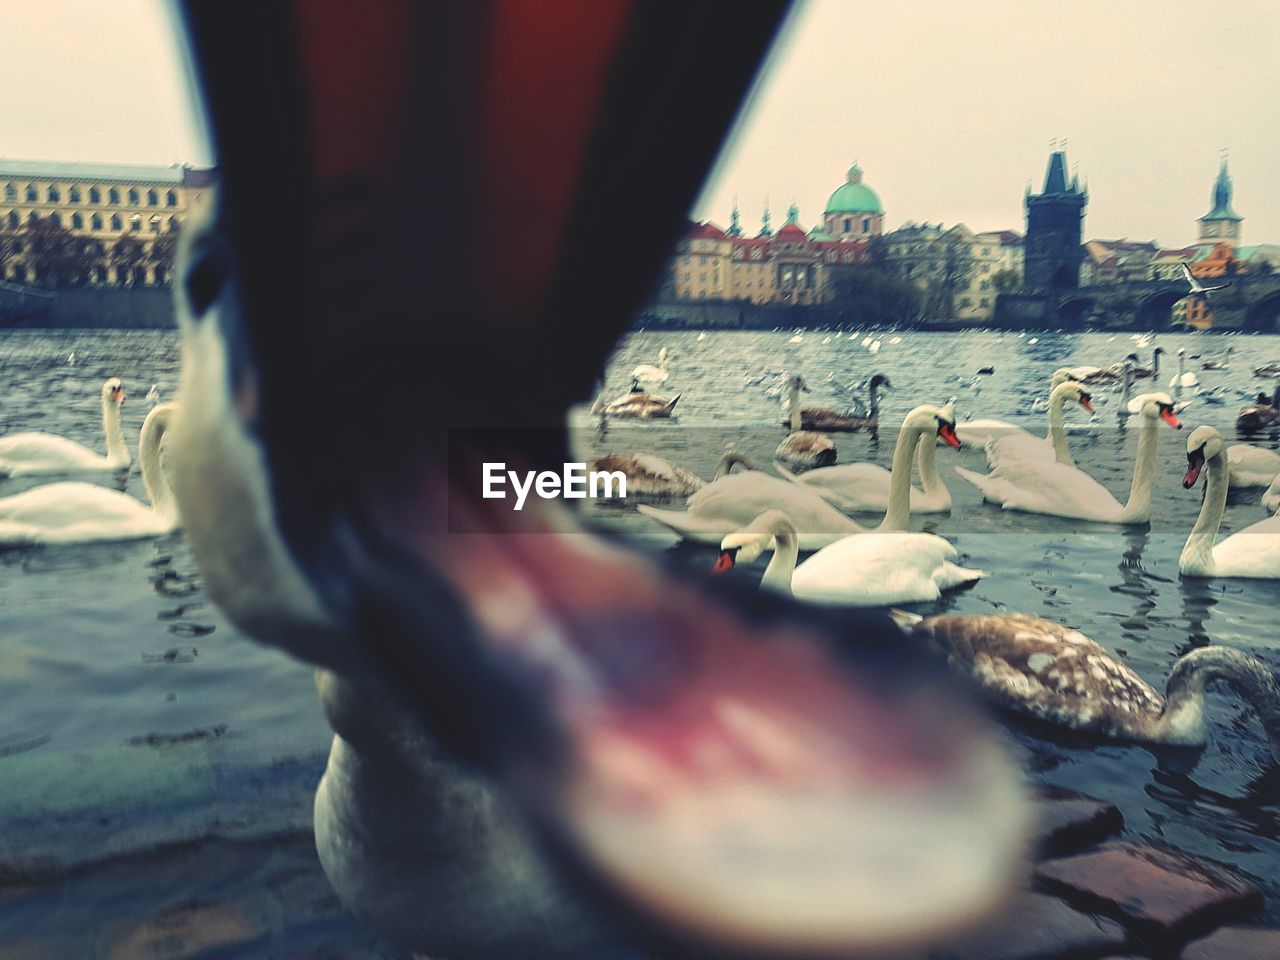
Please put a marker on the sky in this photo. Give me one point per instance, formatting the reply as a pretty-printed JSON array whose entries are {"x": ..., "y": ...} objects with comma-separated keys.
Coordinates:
[{"x": 948, "y": 107}]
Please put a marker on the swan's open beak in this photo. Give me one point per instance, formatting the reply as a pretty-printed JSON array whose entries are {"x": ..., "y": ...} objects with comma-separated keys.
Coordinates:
[
  {"x": 724, "y": 563},
  {"x": 947, "y": 432},
  {"x": 1086, "y": 402},
  {"x": 1166, "y": 414},
  {"x": 1195, "y": 463}
]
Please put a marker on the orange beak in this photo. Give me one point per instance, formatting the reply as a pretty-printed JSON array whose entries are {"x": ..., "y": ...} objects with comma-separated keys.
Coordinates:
[
  {"x": 1084, "y": 402},
  {"x": 948, "y": 434},
  {"x": 1170, "y": 419},
  {"x": 724, "y": 563}
]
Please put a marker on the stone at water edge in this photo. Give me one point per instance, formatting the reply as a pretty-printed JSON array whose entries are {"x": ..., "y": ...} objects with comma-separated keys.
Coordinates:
[
  {"x": 1036, "y": 927},
  {"x": 1161, "y": 896},
  {"x": 1067, "y": 821},
  {"x": 1236, "y": 943}
]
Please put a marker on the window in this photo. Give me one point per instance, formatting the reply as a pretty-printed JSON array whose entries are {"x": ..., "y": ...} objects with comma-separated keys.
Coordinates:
[
  {"x": 153, "y": 198},
  {"x": 866, "y": 224},
  {"x": 10, "y": 192},
  {"x": 113, "y": 195},
  {"x": 96, "y": 221},
  {"x": 14, "y": 220},
  {"x": 55, "y": 195},
  {"x": 95, "y": 195},
  {"x": 848, "y": 224},
  {"x": 73, "y": 195},
  {"x": 171, "y": 199},
  {"x": 56, "y": 218},
  {"x": 133, "y": 196},
  {"x": 154, "y": 224},
  {"x": 116, "y": 223},
  {"x": 32, "y": 196},
  {"x": 135, "y": 223},
  {"x": 77, "y": 221},
  {"x": 173, "y": 224},
  {"x": 32, "y": 217}
]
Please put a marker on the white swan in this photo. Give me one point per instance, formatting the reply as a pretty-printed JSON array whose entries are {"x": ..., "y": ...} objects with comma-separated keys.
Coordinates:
[
  {"x": 78, "y": 512},
  {"x": 648, "y": 373},
  {"x": 1052, "y": 446},
  {"x": 864, "y": 487},
  {"x": 41, "y": 454},
  {"x": 1250, "y": 466},
  {"x": 732, "y": 502},
  {"x": 1271, "y": 496},
  {"x": 649, "y": 475},
  {"x": 1059, "y": 490},
  {"x": 982, "y": 431},
  {"x": 1059, "y": 675},
  {"x": 873, "y": 570},
  {"x": 1251, "y": 552},
  {"x": 1184, "y": 377}
]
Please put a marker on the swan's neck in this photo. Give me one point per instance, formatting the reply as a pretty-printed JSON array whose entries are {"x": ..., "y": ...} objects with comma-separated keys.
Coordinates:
[
  {"x": 1177, "y": 384},
  {"x": 117, "y": 452},
  {"x": 873, "y": 401},
  {"x": 904, "y": 454},
  {"x": 793, "y": 408},
  {"x": 729, "y": 461},
  {"x": 1197, "y": 555},
  {"x": 777, "y": 576},
  {"x": 1138, "y": 507},
  {"x": 926, "y": 461},
  {"x": 1057, "y": 428},
  {"x": 1155, "y": 364},
  {"x": 153, "y": 479},
  {"x": 1182, "y": 720},
  {"x": 1126, "y": 387}
]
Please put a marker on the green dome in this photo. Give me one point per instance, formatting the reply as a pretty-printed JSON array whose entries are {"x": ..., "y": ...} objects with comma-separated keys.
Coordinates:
[{"x": 854, "y": 198}]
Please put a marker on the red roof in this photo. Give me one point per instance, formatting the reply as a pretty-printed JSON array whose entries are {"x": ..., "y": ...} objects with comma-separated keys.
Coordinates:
[
  {"x": 706, "y": 231},
  {"x": 792, "y": 231}
]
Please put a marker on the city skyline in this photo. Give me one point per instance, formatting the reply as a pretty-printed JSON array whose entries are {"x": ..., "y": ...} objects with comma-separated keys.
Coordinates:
[{"x": 951, "y": 110}]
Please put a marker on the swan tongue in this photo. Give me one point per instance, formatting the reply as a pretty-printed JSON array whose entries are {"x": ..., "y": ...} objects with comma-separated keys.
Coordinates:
[{"x": 718, "y": 769}]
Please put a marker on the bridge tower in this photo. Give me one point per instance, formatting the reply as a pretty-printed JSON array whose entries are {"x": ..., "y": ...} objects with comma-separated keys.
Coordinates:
[
  {"x": 1054, "y": 218},
  {"x": 1222, "y": 223}
]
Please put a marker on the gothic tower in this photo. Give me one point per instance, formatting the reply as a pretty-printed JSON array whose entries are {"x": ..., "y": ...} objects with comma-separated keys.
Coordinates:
[
  {"x": 1054, "y": 217},
  {"x": 1221, "y": 224}
]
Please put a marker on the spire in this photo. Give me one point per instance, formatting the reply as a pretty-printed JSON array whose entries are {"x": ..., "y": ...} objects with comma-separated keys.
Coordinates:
[
  {"x": 1222, "y": 195},
  {"x": 766, "y": 227},
  {"x": 855, "y": 173},
  {"x": 793, "y": 213},
  {"x": 735, "y": 221},
  {"x": 1055, "y": 178}
]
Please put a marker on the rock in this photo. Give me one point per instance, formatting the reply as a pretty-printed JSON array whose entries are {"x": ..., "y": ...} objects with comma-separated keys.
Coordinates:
[
  {"x": 1236, "y": 943},
  {"x": 1163, "y": 897},
  {"x": 1037, "y": 927},
  {"x": 1067, "y": 822}
]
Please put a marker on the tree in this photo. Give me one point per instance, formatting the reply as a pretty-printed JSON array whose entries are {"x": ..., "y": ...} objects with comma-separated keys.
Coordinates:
[
  {"x": 1006, "y": 281},
  {"x": 952, "y": 268},
  {"x": 10, "y": 246},
  {"x": 127, "y": 255},
  {"x": 56, "y": 256},
  {"x": 162, "y": 254},
  {"x": 866, "y": 294}
]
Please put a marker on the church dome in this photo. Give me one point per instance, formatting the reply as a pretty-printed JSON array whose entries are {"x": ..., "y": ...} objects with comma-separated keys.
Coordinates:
[{"x": 853, "y": 196}]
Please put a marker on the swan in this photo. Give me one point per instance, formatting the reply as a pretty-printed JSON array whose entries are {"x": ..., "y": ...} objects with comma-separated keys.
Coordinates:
[
  {"x": 1057, "y": 674},
  {"x": 731, "y": 502},
  {"x": 40, "y": 454},
  {"x": 873, "y": 570},
  {"x": 1250, "y": 466},
  {"x": 641, "y": 406},
  {"x": 1221, "y": 363},
  {"x": 648, "y": 373},
  {"x": 1271, "y": 496},
  {"x": 832, "y": 421},
  {"x": 1184, "y": 377},
  {"x": 1053, "y": 446},
  {"x": 76, "y": 512},
  {"x": 1271, "y": 369},
  {"x": 1141, "y": 373},
  {"x": 1055, "y": 489},
  {"x": 649, "y": 475},
  {"x": 1090, "y": 375},
  {"x": 1263, "y": 413},
  {"x": 983, "y": 430},
  {"x": 864, "y": 487},
  {"x": 1251, "y": 552},
  {"x": 804, "y": 448}
]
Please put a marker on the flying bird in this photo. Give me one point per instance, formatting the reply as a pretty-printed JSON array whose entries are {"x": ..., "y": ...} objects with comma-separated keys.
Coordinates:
[{"x": 1197, "y": 288}]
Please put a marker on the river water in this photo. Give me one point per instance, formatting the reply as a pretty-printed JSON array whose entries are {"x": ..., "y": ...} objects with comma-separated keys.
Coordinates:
[{"x": 134, "y": 713}]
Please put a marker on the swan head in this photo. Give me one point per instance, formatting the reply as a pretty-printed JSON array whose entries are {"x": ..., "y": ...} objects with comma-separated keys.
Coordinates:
[
  {"x": 1073, "y": 391},
  {"x": 113, "y": 392},
  {"x": 662, "y": 356},
  {"x": 1203, "y": 445},
  {"x": 798, "y": 383},
  {"x": 928, "y": 418},
  {"x": 878, "y": 381},
  {"x": 1153, "y": 405},
  {"x": 749, "y": 543}
]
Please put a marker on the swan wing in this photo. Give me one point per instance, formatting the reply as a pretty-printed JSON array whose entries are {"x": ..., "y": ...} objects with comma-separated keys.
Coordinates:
[
  {"x": 75, "y": 512},
  {"x": 1251, "y": 466},
  {"x": 1251, "y": 552},
  {"x": 1017, "y": 446},
  {"x": 879, "y": 569},
  {"x": 979, "y": 432},
  {"x": 33, "y": 454},
  {"x": 1048, "y": 487},
  {"x": 742, "y": 497}
]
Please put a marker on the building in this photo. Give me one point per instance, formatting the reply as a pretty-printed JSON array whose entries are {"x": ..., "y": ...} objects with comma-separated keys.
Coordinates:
[
  {"x": 105, "y": 203},
  {"x": 1117, "y": 261},
  {"x": 1221, "y": 224},
  {"x": 1009, "y": 243},
  {"x": 954, "y": 267},
  {"x": 792, "y": 266},
  {"x": 1053, "y": 254}
]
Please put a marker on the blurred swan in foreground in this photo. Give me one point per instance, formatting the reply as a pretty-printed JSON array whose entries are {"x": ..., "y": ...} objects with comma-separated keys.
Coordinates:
[
  {"x": 732, "y": 502},
  {"x": 41, "y": 454},
  {"x": 1057, "y": 674},
  {"x": 78, "y": 512},
  {"x": 872, "y": 570},
  {"x": 1056, "y": 489},
  {"x": 1251, "y": 552},
  {"x": 642, "y": 406}
]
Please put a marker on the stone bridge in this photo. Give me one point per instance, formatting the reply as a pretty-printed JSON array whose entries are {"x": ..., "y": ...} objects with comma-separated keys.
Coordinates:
[{"x": 1250, "y": 304}]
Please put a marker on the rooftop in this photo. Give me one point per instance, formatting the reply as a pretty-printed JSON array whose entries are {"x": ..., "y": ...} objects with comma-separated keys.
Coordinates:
[{"x": 141, "y": 173}]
